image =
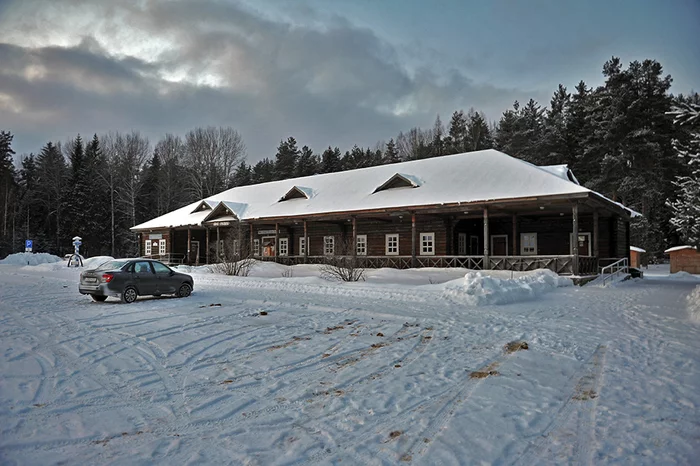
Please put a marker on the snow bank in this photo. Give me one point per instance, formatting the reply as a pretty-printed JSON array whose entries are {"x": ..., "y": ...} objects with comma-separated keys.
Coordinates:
[
  {"x": 684, "y": 277},
  {"x": 478, "y": 288},
  {"x": 694, "y": 304},
  {"x": 30, "y": 258}
]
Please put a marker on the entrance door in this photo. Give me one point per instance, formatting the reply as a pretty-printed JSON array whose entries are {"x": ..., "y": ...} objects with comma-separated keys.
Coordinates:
[
  {"x": 462, "y": 244},
  {"x": 268, "y": 245},
  {"x": 499, "y": 245},
  {"x": 194, "y": 252},
  {"x": 584, "y": 244},
  {"x": 474, "y": 246}
]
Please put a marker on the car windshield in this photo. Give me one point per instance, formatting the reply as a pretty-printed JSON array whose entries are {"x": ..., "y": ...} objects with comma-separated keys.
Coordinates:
[{"x": 111, "y": 265}]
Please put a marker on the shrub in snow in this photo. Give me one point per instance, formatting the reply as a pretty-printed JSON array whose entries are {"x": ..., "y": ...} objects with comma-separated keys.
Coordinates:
[
  {"x": 479, "y": 288},
  {"x": 694, "y": 304},
  {"x": 343, "y": 266},
  {"x": 30, "y": 258}
]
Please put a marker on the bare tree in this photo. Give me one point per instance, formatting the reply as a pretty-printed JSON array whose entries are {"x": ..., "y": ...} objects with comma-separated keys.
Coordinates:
[
  {"x": 108, "y": 175},
  {"x": 170, "y": 150},
  {"x": 211, "y": 156},
  {"x": 235, "y": 258}
]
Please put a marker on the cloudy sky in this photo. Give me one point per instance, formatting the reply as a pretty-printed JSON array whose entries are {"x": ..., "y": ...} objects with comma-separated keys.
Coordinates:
[{"x": 328, "y": 72}]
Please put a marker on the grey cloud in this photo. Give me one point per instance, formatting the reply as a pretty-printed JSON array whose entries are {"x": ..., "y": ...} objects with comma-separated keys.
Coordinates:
[{"x": 336, "y": 85}]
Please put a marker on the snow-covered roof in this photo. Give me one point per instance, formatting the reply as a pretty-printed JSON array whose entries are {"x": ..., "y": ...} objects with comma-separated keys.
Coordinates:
[
  {"x": 562, "y": 171},
  {"x": 487, "y": 175},
  {"x": 636, "y": 249},
  {"x": 678, "y": 248}
]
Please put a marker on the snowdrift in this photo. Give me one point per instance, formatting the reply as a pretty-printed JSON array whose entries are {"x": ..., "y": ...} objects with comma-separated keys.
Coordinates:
[
  {"x": 30, "y": 258},
  {"x": 694, "y": 304},
  {"x": 480, "y": 289}
]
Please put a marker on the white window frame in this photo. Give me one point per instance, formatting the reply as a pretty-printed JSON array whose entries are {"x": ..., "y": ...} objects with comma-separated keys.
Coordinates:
[
  {"x": 461, "y": 244},
  {"x": 387, "y": 249},
  {"x": 498, "y": 236},
  {"x": 523, "y": 252},
  {"x": 256, "y": 247},
  {"x": 162, "y": 247},
  {"x": 328, "y": 245},
  {"x": 302, "y": 245},
  {"x": 571, "y": 243},
  {"x": 361, "y": 246},
  {"x": 427, "y": 244},
  {"x": 148, "y": 247},
  {"x": 284, "y": 246}
]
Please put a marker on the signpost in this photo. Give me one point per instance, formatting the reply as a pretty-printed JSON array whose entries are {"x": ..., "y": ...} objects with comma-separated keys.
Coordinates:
[
  {"x": 28, "y": 245},
  {"x": 75, "y": 259}
]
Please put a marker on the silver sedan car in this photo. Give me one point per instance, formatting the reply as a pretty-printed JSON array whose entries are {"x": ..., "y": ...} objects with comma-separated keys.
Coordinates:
[{"x": 129, "y": 278}]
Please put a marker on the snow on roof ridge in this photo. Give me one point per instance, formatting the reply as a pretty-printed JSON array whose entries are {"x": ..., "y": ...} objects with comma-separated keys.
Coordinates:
[
  {"x": 635, "y": 248},
  {"x": 678, "y": 248}
]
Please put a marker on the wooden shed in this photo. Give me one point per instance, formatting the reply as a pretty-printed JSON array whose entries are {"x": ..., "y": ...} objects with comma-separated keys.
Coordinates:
[
  {"x": 684, "y": 259},
  {"x": 636, "y": 256}
]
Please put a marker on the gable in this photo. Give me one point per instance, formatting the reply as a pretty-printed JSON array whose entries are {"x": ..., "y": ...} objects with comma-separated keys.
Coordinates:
[
  {"x": 297, "y": 192},
  {"x": 398, "y": 181}
]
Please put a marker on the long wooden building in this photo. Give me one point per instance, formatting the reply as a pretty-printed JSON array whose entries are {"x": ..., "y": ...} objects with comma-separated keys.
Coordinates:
[{"x": 479, "y": 210}]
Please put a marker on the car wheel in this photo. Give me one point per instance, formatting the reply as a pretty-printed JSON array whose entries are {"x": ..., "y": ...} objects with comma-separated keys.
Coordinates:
[
  {"x": 129, "y": 295},
  {"x": 184, "y": 291},
  {"x": 97, "y": 297}
]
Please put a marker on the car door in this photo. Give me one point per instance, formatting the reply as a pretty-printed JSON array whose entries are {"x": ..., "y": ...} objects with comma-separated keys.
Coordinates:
[
  {"x": 165, "y": 281},
  {"x": 144, "y": 278}
]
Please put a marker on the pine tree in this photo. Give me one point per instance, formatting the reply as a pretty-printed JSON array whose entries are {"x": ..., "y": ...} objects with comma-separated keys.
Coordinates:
[
  {"x": 391, "y": 155},
  {"x": 53, "y": 178},
  {"x": 308, "y": 162},
  {"x": 686, "y": 208},
  {"x": 8, "y": 187},
  {"x": 286, "y": 159},
  {"x": 263, "y": 171},
  {"x": 437, "y": 148},
  {"x": 243, "y": 175},
  {"x": 554, "y": 145},
  {"x": 330, "y": 160},
  {"x": 457, "y": 134},
  {"x": 478, "y": 135}
]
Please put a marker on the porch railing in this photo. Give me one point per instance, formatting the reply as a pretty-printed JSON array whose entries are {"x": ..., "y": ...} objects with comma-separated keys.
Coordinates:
[
  {"x": 170, "y": 258},
  {"x": 588, "y": 265},
  {"x": 609, "y": 272}
]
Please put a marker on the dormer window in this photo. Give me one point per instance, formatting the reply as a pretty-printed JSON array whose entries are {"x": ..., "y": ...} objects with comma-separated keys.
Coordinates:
[
  {"x": 205, "y": 205},
  {"x": 399, "y": 180},
  {"x": 297, "y": 192}
]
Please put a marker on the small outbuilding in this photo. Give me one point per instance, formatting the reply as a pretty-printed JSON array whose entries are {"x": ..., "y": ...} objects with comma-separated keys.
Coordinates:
[
  {"x": 636, "y": 256},
  {"x": 684, "y": 259}
]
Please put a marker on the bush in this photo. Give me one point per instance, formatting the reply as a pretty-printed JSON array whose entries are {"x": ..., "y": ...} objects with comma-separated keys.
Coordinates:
[{"x": 345, "y": 266}]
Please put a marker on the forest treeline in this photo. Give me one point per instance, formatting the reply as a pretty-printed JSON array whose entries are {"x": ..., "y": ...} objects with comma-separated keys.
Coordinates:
[{"x": 619, "y": 139}]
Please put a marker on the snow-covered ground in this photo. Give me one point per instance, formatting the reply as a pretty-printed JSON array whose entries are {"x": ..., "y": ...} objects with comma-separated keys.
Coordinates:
[{"x": 409, "y": 367}]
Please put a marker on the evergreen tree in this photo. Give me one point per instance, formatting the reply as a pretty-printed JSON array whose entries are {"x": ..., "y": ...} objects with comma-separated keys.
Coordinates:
[
  {"x": 555, "y": 149},
  {"x": 478, "y": 135},
  {"x": 686, "y": 208},
  {"x": 508, "y": 128},
  {"x": 243, "y": 175},
  {"x": 355, "y": 158},
  {"x": 53, "y": 178},
  {"x": 577, "y": 129},
  {"x": 457, "y": 134},
  {"x": 308, "y": 162},
  {"x": 286, "y": 159},
  {"x": 8, "y": 194},
  {"x": 263, "y": 171},
  {"x": 437, "y": 147},
  {"x": 391, "y": 155},
  {"x": 330, "y": 160}
]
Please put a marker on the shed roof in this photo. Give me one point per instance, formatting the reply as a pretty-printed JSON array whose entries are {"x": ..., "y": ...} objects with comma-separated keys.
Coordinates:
[
  {"x": 678, "y": 248},
  {"x": 636, "y": 249},
  {"x": 485, "y": 175}
]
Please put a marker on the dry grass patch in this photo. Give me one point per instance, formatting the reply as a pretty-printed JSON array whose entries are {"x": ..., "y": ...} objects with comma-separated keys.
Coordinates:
[
  {"x": 484, "y": 372},
  {"x": 514, "y": 346}
]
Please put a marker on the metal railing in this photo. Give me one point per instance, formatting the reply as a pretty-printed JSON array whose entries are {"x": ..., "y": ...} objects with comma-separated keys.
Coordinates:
[{"x": 614, "y": 269}]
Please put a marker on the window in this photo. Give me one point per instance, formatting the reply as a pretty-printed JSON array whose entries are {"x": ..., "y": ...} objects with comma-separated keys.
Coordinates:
[
  {"x": 361, "y": 245},
  {"x": 221, "y": 248},
  {"x": 392, "y": 245},
  {"x": 528, "y": 244},
  {"x": 162, "y": 248},
  {"x": 462, "y": 244},
  {"x": 328, "y": 245},
  {"x": 235, "y": 247},
  {"x": 302, "y": 246},
  {"x": 284, "y": 246},
  {"x": 427, "y": 244},
  {"x": 161, "y": 268},
  {"x": 148, "y": 247},
  {"x": 142, "y": 267},
  {"x": 256, "y": 247}
]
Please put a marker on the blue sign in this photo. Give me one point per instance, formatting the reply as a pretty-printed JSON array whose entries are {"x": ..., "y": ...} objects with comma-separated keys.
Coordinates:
[{"x": 28, "y": 245}]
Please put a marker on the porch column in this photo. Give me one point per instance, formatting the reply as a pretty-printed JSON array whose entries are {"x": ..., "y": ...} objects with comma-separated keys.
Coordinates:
[
  {"x": 514, "y": 252},
  {"x": 596, "y": 252},
  {"x": 277, "y": 239},
  {"x": 252, "y": 242},
  {"x": 449, "y": 250},
  {"x": 140, "y": 242},
  {"x": 413, "y": 240},
  {"x": 206, "y": 229},
  {"x": 354, "y": 236},
  {"x": 574, "y": 240},
  {"x": 170, "y": 245},
  {"x": 218, "y": 239},
  {"x": 306, "y": 244},
  {"x": 486, "y": 265},
  {"x": 189, "y": 245},
  {"x": 627, "y": 243}
]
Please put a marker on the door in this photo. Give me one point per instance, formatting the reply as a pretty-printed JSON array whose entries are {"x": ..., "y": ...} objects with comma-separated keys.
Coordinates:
[
  {"x": 165, "y": 282},
  {"x": 462, "y": 244},
  {"x": 528, "y": 244},
  {"x": 584, "y": 244},
  {"x": 474, "y": 246},
  {"x": 499, "y": 245},
  {"x": 144, "y": 278},
  {"x": 268, "y": 245},
  {"x": 194, "y": 252}
]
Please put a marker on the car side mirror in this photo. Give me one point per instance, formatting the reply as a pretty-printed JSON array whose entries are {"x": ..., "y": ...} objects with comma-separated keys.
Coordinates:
[{"x": 172, "y": 273}]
